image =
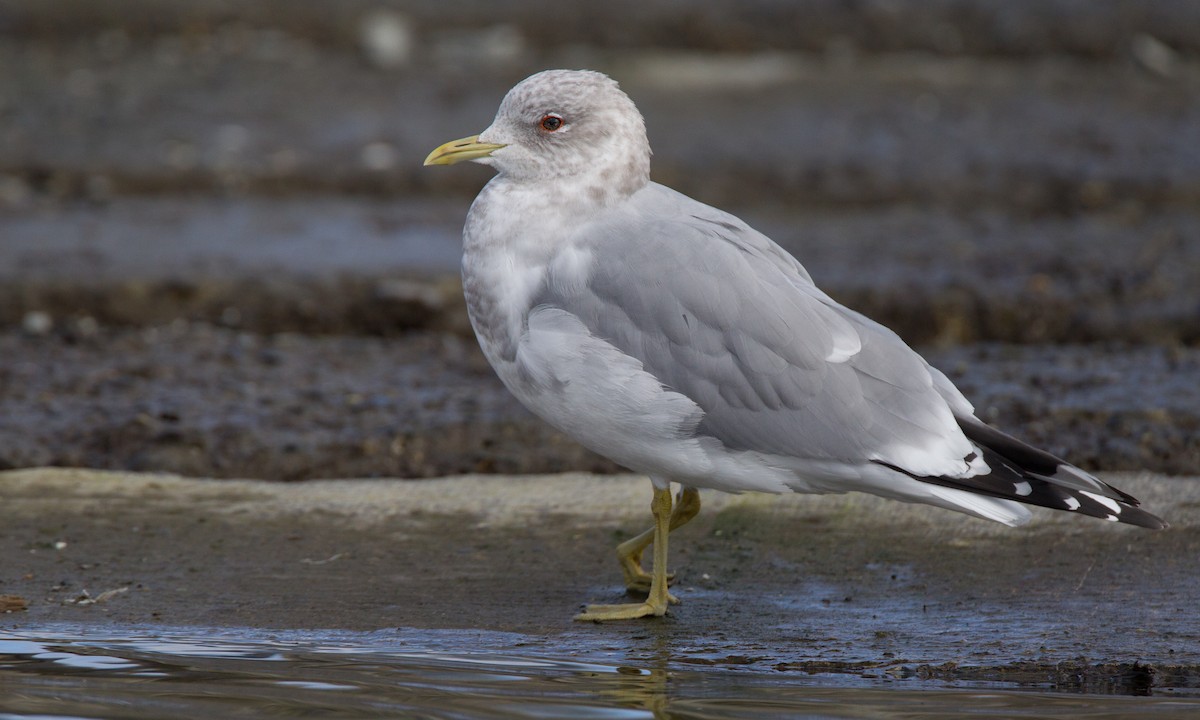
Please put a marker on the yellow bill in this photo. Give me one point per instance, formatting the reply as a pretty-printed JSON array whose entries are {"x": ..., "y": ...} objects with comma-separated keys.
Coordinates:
[{"x": 468, "y": 148}]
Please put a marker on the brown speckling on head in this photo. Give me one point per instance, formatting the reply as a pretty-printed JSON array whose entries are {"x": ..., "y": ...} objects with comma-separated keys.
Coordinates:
[{"x": 602, "y": 139}]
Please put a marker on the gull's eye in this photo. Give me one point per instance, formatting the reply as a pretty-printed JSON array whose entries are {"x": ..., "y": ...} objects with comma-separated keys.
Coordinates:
[{"x": 551, "y": 122}]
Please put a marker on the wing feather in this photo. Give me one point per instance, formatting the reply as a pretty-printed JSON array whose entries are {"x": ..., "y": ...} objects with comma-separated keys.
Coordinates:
[{"x": 717, "y": 312}]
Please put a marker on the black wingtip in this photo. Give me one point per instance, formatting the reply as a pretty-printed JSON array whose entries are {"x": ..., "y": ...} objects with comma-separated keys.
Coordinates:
[
  {"x": 1139, "y": 517},
  {"x": 1049, "y": 481}
]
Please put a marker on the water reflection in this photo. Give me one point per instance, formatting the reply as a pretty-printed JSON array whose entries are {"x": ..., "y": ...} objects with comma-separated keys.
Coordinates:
[{"x": 146, "y": 674}]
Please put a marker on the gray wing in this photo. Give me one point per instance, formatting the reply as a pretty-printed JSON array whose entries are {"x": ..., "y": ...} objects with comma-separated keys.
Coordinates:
[{"x": 722, "y": 315}]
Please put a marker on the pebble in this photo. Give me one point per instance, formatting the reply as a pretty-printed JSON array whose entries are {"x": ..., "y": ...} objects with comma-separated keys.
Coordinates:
[{"x": 37, "y": 322}]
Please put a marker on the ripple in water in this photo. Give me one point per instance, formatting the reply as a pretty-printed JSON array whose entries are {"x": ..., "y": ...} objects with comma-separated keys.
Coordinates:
[{"x": 140, "y": 673}]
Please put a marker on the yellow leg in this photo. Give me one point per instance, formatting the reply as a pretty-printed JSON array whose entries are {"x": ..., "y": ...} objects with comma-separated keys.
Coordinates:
[
  {"x": 629, "y": 553},
  {"x": 657, "y": 601}
]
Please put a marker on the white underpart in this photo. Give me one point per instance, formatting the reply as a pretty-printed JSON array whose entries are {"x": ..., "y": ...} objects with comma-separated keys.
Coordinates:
[
  {"x": 1005, "y": 511},
  {"x": 590, "y": 389},
  {"x": 570, "y": 268}
]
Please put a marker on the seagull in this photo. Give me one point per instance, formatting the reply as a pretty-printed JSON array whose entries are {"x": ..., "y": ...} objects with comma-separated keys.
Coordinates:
[{"x": 679, "y": 342}]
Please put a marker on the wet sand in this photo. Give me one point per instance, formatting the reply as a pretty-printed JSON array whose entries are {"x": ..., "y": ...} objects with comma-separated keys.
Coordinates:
[{"x": 794, "y": 583}]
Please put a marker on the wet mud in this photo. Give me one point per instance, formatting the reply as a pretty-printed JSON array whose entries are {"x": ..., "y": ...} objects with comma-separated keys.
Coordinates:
[
  {"x": 201, "y": 400},
  {"x": 212, "y": 402},
  {"x": 794, "y": 584}
]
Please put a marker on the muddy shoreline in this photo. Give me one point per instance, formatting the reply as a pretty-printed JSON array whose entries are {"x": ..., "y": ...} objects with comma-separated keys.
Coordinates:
[
  {"x": 206, "y": 401},
  {"x": 842, "y": 584}
]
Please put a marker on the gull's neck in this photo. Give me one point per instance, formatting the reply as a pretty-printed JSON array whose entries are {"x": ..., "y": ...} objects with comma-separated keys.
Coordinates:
[
  {"x": 513, "y": 233},
  {"x": 528, "y": 217}
]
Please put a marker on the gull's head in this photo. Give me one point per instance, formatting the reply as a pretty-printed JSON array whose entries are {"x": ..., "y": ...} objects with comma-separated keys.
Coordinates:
[{"x": 561, "y": 124}]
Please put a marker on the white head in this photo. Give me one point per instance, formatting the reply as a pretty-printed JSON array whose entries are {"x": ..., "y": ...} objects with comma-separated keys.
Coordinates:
[{"x": 558, "y": 125}]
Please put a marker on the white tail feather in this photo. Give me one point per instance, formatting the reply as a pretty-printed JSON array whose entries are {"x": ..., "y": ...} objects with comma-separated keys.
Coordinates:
[{"x": 989, "y": 508}]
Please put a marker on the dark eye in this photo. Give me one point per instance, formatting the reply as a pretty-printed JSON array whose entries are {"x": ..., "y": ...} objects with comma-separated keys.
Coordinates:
[{"x": 551, "y": 122}]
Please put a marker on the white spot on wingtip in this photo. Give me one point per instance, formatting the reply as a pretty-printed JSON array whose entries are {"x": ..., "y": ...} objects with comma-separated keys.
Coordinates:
[
  {"x": 1072, "y": 503},
  {"x": 1024, "y": 488},
  {"x": 1113, "y": 518},
  {"x": 1106, "y": 502}
]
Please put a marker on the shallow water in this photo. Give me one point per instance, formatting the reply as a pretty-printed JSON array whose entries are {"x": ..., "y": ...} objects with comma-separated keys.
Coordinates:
[{"x": 73, "y": 672}]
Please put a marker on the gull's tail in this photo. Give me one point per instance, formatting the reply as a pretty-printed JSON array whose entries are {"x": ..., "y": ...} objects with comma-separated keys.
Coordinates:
[{"x": 1026, "y": 474}]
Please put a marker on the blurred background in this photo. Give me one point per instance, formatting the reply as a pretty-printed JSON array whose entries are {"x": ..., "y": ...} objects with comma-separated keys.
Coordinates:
[{"x": 220, "y": 255}]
